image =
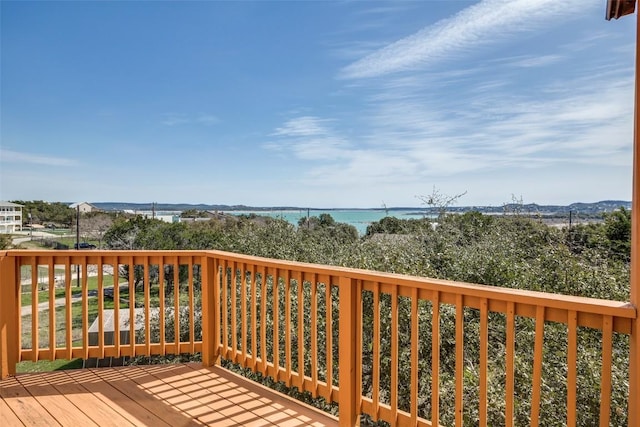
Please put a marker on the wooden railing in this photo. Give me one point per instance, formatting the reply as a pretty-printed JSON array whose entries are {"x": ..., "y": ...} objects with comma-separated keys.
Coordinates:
[{"x": 407, "y": 350}]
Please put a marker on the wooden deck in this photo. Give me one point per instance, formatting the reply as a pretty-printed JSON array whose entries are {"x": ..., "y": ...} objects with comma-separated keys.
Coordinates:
[{"x": 156, "y": 395}]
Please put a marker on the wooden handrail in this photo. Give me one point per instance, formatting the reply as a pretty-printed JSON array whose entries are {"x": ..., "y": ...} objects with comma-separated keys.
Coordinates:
[{"x": 310, "y": 326}]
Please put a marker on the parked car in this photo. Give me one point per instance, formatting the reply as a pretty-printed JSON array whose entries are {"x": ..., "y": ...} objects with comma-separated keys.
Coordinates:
[{"x": 84, "y": 245}]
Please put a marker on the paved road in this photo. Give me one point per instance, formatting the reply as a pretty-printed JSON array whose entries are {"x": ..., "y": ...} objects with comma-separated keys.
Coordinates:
[{"x": 28, "y": 236}]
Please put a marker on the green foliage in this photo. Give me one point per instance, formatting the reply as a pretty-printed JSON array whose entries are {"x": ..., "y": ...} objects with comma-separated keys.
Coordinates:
[
  {"x": 5, "y": 241},
  {"x": 45, "y": 212},
  {"x": 617, "y": 229},
  {"x": 508, "y": 251},
  {"x": 194, "y": 213},
  {"x": 393, "y": 225}
]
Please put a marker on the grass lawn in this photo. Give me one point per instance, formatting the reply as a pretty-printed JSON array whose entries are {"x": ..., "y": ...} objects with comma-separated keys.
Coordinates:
[
  {"x": 47, "y": 365},
  {"x": 92, "y": 284},
  {"x": 43, "y": 272},
  {"x": 59, "y": 231},
  {"x": 76, "y": 316},
  {"x": 60, "y": 324}
]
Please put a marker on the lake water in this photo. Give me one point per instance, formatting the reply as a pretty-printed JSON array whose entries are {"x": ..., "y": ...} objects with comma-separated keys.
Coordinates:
[{"x": 359, "y": 218}]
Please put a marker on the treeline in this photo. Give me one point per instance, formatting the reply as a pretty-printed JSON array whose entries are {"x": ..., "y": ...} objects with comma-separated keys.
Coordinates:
[
  {"x": 45, "y": 212},
  {"x": 516, "y": 252},
  {"x": 509, "y": 251}
]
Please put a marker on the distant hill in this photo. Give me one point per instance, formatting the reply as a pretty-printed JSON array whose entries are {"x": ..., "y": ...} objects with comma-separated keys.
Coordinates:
[
  {"x": 121, "y": 206},
  {"x": 594, "y": 208},
  {"x": 580, "y": 207}
]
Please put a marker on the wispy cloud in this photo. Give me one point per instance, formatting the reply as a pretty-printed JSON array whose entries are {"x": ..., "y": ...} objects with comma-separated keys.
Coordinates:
[
  {"x": 416, "y": 139},
  {"x": 176, "y": 119},
  {"x": 310, "y": 138},
  {"x": 9, "y": 156},
  {"x": 303, "y": 126},
  {"x": 487, "y": 22},
  {"x": 536, "y": 61}
]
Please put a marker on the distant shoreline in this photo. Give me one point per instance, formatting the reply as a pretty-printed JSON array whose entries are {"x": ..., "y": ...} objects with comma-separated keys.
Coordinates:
[{"x": 531, "y": 208}]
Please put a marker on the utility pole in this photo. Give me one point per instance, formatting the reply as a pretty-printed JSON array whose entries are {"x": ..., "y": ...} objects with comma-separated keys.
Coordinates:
[{"x": 570, "y": 218}]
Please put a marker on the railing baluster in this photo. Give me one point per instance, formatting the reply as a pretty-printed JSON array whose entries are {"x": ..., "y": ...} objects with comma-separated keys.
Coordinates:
[
  {"x": 537, "y": 366},
  {"x": 254, "y": 317},
  {"x": 510, "y": 352},
  {"x": 605, "y": 378},
  {"x": 375, "y": 348},
  {"x": 276, "y": 317},
  {"x": 263, "y": 319},
  {"x": 234, "y": 313},
  {"x": 147, "y": 306},
  {"x": 394, "y": 355},
  {"x": 287, "y": 329},
  {"x": 243, "y": 311},
  {"x": 415, "y": 348},
  {"x": 208, "y": 311},
  {"x": 162, "y": 307},
  {"x": 484, "y": 346},
  {"x": 192, "y": 309},
  {"x": 116, "y": 307},
  {"x": 216, "y": 310},
  {"x": 358, "y": 348},
  {"x": 314, "y": 334},
  {"x": 459, "y": 358},
  {"x": 100, "y": 310},
  {"x": 35, "y": 329},
  {"x": 85, "y": 309},
  {"x": 225, "y": 309},
  {"x": 176, "y": 304},
  {"x": 132, "y": 306},
  {"x": 299, "y": 278},
  {"x": 435, "y": 360},
  {"x": 67, "y": 309},
  {"x": 572, "y": 373},
  {"x": 52, "y": 309}
]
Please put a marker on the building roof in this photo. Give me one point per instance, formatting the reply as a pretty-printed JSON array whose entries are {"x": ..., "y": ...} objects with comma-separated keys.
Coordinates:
[
  {"x": 75, "y": 205},
  {"x": 9, "y": 204},
  {"x": 619, "y": 8}
]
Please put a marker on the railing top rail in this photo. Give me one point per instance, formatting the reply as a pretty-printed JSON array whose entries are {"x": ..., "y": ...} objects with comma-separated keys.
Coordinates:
[{"x": 582, "y": 304}]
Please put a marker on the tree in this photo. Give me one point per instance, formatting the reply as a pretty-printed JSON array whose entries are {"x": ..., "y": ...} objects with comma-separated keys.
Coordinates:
[
  {"x": 439, "y": 202},
  {"x": 46, "y": 213},
  {"x": 94, "y": 225},
  {"x": 617, "y": 228}
]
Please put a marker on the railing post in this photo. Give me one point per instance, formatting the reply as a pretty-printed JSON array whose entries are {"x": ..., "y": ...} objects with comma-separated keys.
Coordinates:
[
  {"x": 210, "y": 311},
  {"x": 349, "y": 413},
  {"x": 634, "y": 351},
  {"x": 9, "y": 316}
]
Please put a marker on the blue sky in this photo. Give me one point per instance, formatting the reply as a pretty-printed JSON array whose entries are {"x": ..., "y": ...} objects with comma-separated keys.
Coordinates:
[{"x": 316, "y": 103}]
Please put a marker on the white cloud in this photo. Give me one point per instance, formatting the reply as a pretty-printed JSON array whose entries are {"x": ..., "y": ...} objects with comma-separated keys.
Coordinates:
[
  {"x": 409, "y": 137},
  {"x": 303, "y": 126},
  {"x": 9, "y": 156},
  {"x": 536, "y": 61},
  {"x": 487, "y": 22},
  {"x": 309, "y": 138},
  {"x": 176, "y": 119}
]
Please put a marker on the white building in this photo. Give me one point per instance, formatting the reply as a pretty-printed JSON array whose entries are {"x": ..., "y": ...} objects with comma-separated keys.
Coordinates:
[
  {"x": 84, "y": 207},
  {"x": 10, "y": 217}
]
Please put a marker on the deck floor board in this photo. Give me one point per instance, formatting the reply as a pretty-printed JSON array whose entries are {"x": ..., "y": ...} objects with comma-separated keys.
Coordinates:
[{"x": 154, "y": 395}]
